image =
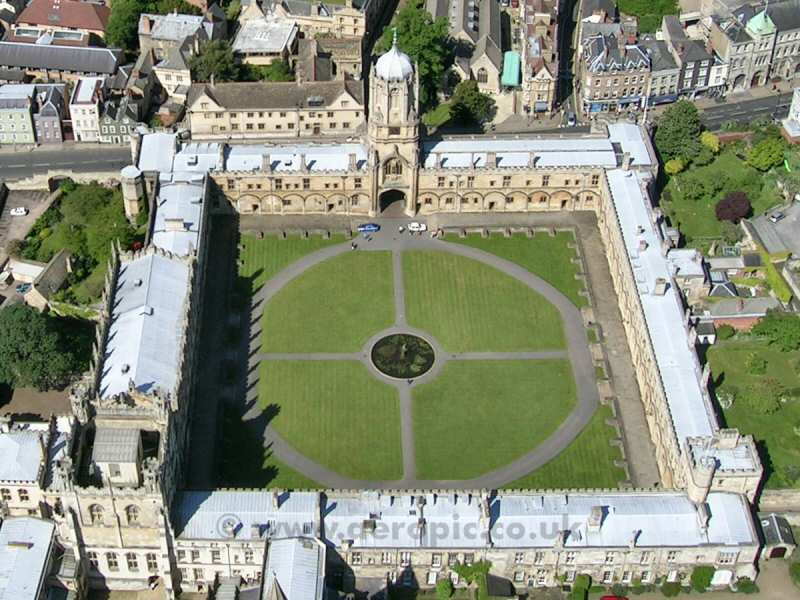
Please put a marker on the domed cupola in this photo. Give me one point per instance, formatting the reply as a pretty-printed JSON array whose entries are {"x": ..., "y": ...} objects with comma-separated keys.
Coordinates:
[{"x": 394, "y": 65}]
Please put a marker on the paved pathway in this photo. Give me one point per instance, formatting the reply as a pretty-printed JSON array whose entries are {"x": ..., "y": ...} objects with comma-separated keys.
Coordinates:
[{"x": 577, "y": 352}]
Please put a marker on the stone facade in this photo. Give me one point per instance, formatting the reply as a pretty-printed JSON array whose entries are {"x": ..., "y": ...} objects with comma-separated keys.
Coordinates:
[{"x": 116, "y": 487}]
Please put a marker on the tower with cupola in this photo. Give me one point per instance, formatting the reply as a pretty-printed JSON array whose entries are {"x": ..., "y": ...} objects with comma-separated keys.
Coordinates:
[{"x": 393, "y": 129}]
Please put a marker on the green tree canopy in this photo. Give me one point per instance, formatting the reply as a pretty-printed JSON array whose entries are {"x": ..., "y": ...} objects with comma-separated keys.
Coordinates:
[
  {"x": 674, "y": 166},
  {"x": 426, "y": 41},
  {"x": 444, "y": 589},
  {"x": 677, "y": 132},
  {"x": 214, "y": 59},
  {"x": 710, "y": 141},
  {"x": 781, "y": 329},
  {"x": 766, "y": 154},
  {"x": 470, "y": 105},
  {"x": 33, "y": 352},
  {"x": 278, "y": 70},
  {"x": 701, "y": 577}
]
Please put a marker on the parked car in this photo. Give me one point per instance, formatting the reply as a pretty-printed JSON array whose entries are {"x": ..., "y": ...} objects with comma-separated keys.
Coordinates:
[
  {"x": 777, "y": 216},
  {"x": 369, "y": 228},
  {"x": 417, "y": 226},
  {"x": 19, "y": 211},
  {"x": 571, "y": 120}
]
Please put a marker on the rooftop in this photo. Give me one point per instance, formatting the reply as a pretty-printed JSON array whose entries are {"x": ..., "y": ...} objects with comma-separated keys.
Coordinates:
[
  {"x": 265, "y": 36},
  {"x": 146, "y": 325},
  {"x": 225, "y": 514},
  {"x": 179, "y": 213},
  {"x": 69, "y": 14},
  {"x": 25, "y": 544},
  {"x": 267, "y": 95},
  {"x": 171, "y": 27},
  {"x": 318, "y": 157},
  {"x": 59, "y": 58},
  {"x": 296, "y": 568},
  {"x": 116, "y": 445},
  {"x": 20, "y": 456}
]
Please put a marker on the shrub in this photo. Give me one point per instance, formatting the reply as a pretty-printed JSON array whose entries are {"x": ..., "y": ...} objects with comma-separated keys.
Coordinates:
[
  {"x": 725, "y": 332},
  {"x": 765, "y": 397},
  {"x": 710, "y": 141},
  {"x": 674, "y": 166},
  {"x": 733, "y": 207},
  {"x": 671, "y": 589},
  {"x": 745, "y": 585},
  {"x": 704, "y": 157},
  {"x": 781, "y": 329},
  {"x": 701, "y": 578},
  {"x": 766, "y": 154},
  {"x": 444, "y": 589},
  {"x": 755, "y": 364},
  {"x": 730, "y": 233}
]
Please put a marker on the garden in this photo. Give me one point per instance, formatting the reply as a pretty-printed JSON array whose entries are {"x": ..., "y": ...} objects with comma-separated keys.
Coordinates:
[
  {"x": 86, "y": 220},
  {"x": 756, "y": 379}
]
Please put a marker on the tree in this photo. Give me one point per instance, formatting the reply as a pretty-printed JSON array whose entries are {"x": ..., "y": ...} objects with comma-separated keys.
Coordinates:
[
  {"x": 710, "y": 141},
  {"x": 677, "y": 132},
  {"x": 766, "y": 154},
  {"x": 733, "y": 207},
  {"x": 426, "y": 41},
  {"x": 123, "y": 24},
  {"x": 215, "y": 59},
  {"x": 701, "y": 578},
  {"x": 32, "y": 352},
  {"x": 469, "y": 105},
  {"x": 730, "y": 233},
  {"x": 674, "y": 166},
  {"x": 781, "y": 329},
  {"x": 580, "y": 587},
  {"x": 278, "y": 70},
  {"x": 444, "y": 589}
]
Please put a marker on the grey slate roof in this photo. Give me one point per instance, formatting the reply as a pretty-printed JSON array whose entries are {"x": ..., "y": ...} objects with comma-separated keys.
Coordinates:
[
  {"x": 660, "y": 57},
  {"x": 115, "y": 445},
  {"x": 59, "y": 58},
  {"x": 776, "y": 529},
  {"x": 785, "y": 15},
  {"x": 266, "y": 95},
  {"x": 603, "y": 53}
]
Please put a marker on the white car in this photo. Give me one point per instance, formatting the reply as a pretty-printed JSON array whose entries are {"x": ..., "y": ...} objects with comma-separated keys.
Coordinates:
[
  {"x": 416, "y": 226},
  {"x": 19, "y": 211}
]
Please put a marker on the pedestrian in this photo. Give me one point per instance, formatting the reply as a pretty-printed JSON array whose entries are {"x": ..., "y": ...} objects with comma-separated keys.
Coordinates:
[
  {"x": 353, "y": 245},
  {"x": 400, "y": 229}
]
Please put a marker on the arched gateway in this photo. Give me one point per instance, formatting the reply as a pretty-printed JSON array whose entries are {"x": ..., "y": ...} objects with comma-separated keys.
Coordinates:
[{"x": 392, "y": 203}]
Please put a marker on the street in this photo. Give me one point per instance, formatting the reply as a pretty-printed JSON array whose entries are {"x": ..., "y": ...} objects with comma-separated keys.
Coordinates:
[
  {"x": 745, "y": 111},
  {"x": 21, "y": 164}
]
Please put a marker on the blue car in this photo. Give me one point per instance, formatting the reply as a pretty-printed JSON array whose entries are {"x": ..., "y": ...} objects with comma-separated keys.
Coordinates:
[{"x": 369, "y": 228}]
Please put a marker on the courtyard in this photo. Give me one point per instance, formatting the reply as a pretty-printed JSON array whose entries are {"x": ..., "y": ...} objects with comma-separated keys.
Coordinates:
[{"x": 511, "y": 391}]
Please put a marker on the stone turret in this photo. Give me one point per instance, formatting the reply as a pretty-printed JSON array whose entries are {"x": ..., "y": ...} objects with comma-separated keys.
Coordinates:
[
  {"x": 132, "y": 191},
  {"x": 701, "y": 477}
]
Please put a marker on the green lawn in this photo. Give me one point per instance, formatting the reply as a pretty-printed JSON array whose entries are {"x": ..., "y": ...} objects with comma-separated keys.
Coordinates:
[
  {"x": 547, "y": 257},
  {"x": 335, "y": 413},
  {"x": 469, "y": 306},
  {"x": 774, "y": 431},
  {"x": 239, "y": 446},
  {"x": 586, "y": 463},
  {"x": 334, "y": 306},
  {"x": 436, "y": 117},
  {"x": 477, "y": 416},
  {"x": 649, "y": 12},
  {"x": 263, "y": 258},
  {"x": 696, "y": 217}
]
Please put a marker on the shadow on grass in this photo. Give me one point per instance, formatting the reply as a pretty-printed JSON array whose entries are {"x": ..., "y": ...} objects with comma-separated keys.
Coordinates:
[{"x": 243, "y": 459}]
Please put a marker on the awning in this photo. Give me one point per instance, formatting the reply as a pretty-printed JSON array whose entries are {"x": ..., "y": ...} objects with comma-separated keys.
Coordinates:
[{"x": 511, "y": 73}]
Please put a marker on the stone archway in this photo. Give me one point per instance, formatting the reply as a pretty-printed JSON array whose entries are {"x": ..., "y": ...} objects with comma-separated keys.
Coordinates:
[
  {"x": 738, "y": 83},
  {"x": 392, "y": 203}
]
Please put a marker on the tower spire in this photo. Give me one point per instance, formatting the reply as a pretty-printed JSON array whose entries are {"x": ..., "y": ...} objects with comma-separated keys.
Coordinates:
[{"x": 394, "y": 37}]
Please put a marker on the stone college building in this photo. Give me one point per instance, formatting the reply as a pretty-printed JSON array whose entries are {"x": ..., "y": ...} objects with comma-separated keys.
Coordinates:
[{"x": 111, "y": 477}]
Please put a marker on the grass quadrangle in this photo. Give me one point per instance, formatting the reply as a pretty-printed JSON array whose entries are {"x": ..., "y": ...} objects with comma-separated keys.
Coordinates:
[
  {"x": 471, "y": 307},
  {"x": 477, "y": 416},
  {"x": 336, "y": 414},
  {"x": 334, "y": 306}
]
